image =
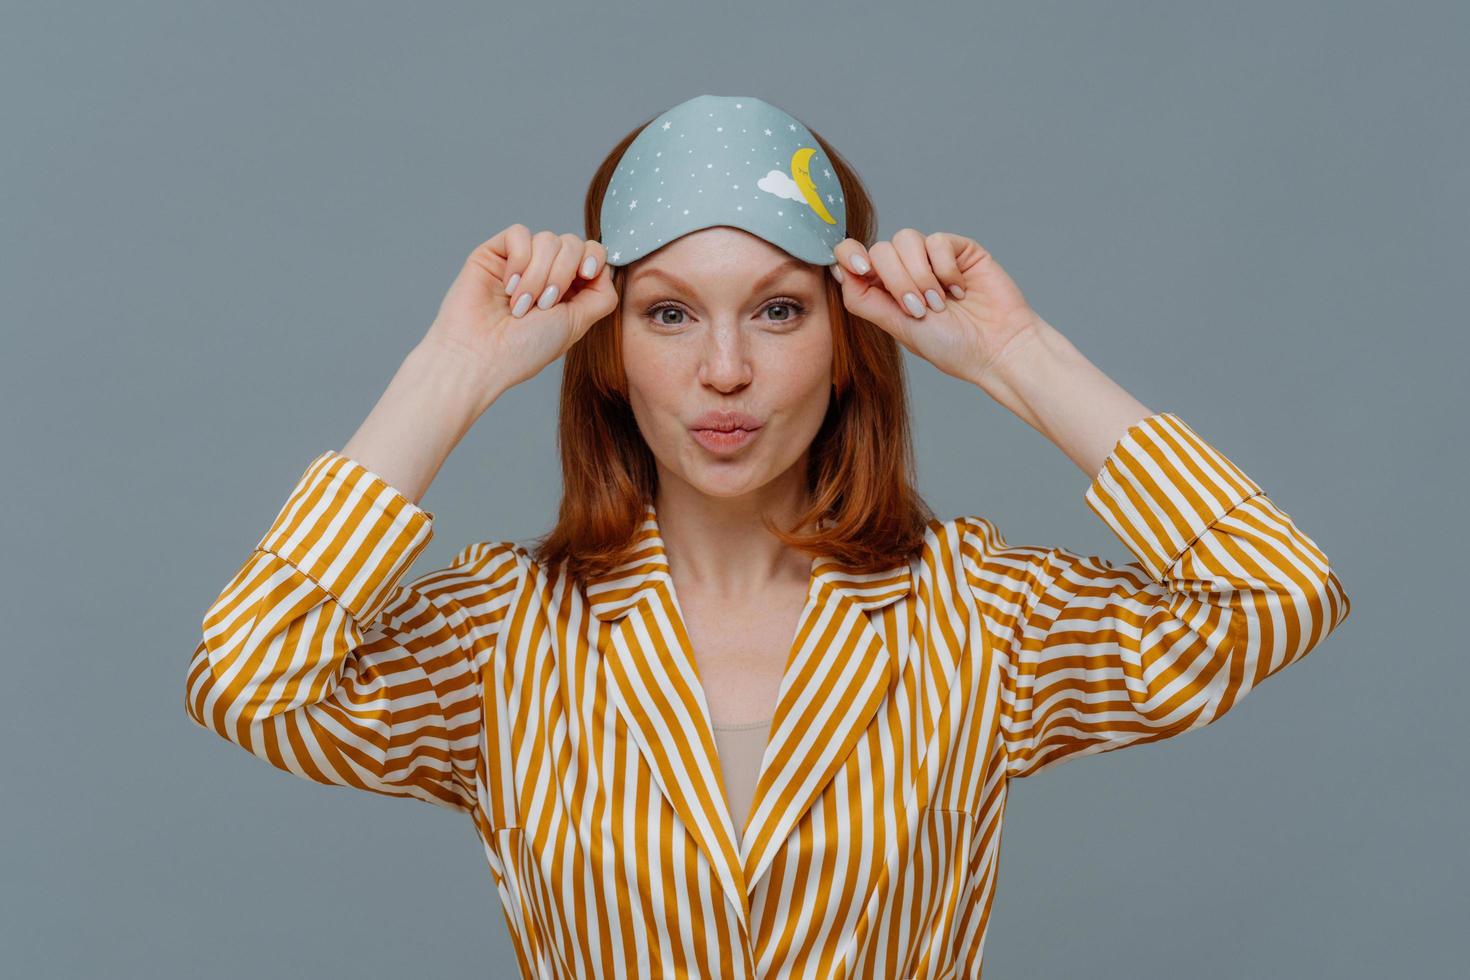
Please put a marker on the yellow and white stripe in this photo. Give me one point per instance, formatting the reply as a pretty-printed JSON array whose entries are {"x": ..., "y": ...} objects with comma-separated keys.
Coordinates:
[{"x": 570, "y": 722}]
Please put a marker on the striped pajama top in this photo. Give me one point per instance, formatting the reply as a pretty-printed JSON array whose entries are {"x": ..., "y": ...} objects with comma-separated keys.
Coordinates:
[{"x": 568, "y": 721}]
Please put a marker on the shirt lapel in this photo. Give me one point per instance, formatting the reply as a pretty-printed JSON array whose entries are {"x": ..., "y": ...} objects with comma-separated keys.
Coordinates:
[{"x": 838, "y": 671}]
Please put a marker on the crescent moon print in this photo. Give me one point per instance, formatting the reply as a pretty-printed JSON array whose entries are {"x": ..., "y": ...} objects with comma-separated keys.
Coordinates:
[
  {"x": 798, "y": 185},
  {"x": 801, "y": 173}
]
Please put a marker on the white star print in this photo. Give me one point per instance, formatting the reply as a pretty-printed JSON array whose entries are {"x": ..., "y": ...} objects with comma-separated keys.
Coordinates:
[
  {"x": 632, "y": 205},
  {"x": 791, "y": 126},
  {"x": 616, "y": 256},
  {"x": 768, "y": 132},
  {"x": 667, "y": 124}
]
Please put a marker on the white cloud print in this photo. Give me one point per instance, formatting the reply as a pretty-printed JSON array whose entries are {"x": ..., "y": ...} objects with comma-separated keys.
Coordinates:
[{"x": 775, "y": 182}]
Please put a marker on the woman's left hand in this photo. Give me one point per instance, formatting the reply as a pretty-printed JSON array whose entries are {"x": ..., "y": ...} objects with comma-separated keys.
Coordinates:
[{"x": 983, "y": 311}]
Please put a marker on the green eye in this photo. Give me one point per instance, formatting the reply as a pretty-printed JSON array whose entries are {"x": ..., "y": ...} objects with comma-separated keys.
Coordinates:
[
  {"x": 794, "y": 308},
  {"x": 653, "y": 311}
]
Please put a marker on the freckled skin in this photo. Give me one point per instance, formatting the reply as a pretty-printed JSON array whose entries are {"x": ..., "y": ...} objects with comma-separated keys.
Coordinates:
[{"x": 727, "y": 348}]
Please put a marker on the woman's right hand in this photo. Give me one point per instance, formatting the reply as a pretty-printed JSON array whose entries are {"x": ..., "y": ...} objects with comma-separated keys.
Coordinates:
[{"x": 479, "y": 318}]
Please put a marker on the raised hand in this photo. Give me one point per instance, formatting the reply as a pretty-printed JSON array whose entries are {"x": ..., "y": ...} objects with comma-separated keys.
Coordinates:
[
  {"x": 521, "y": 300},
  {"x": 901, "y": 285}
]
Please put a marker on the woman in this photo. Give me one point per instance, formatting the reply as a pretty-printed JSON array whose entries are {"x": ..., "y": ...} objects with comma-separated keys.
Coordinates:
[{"x": 749, "y": 708}]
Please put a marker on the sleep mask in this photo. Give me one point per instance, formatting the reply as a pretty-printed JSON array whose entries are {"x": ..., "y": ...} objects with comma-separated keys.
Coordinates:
[{"x": 724, "y": 160}]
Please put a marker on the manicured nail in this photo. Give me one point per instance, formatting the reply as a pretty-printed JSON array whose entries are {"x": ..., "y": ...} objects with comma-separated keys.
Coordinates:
[
  {"x": 912, "y": 302},
  {"x": 522, "y": 305},
  {"x": 958, "y": 292},
  {"x": 548, "y": 297},
  {"x": 510, "y": 287},
  {"x": 936, "y": 302},
  {"x": 837, "y": 273},
  {"x": 589, "y": 266},
  {"x": 860, "y": 264}
]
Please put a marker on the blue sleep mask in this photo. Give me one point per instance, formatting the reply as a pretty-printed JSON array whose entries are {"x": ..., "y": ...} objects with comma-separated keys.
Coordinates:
[{"x": 724, "y": 160}]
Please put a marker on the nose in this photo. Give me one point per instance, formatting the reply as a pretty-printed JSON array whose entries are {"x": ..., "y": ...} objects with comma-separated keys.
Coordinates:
[{"x": 725, "y": 362}]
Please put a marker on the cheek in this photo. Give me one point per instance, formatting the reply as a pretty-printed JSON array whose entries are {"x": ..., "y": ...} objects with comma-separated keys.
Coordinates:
[
  {"x": 656, "y": 386},
  {"x": 803, "y": 371}
]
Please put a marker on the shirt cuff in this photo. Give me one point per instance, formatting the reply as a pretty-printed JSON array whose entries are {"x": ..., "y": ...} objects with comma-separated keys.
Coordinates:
[
  {"x": 349, "y": 531},
  {"x": 1162, "y": 486}
]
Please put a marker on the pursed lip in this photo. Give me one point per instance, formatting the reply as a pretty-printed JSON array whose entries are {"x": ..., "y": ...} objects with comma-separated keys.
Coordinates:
[{"x": 725, "y": 421}]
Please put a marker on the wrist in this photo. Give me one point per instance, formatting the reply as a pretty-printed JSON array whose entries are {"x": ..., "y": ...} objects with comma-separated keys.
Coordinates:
[
  {"x": 1010, "y": 365},
  {"x": 462, "y": 386},
  {"x": 1052, "y": 386},
  {"x": 431, "y": 402},
  {"x": 1022, "y": 370}
]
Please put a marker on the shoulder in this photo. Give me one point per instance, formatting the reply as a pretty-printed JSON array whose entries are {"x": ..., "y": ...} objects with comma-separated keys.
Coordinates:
[
  {"x": 967, "y": 534},
  {"x": 480, "y": 554},
  {"x": 495, "y": 561},
  {"x": 477, "y": 569},
  {"x": 968, "y": 550}
]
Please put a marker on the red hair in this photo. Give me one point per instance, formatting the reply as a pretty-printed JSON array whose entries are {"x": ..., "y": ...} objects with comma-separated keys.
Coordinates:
[{"x": 864, "y": 507}]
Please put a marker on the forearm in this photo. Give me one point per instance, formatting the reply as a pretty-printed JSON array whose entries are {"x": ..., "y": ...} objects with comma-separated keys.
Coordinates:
[
  {"x": 1051, "y": 386},
  {"x": 431, "y": 402}
]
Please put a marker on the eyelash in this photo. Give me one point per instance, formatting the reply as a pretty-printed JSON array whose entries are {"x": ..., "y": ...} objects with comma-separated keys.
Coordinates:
[{"x": 798, "y": 310}]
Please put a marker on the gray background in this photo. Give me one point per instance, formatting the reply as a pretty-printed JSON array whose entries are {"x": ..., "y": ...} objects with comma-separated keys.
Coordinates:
[{"x": 225, "y": 224}]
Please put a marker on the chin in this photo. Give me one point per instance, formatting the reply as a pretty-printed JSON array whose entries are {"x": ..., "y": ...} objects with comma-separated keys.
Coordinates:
[
  {"x": 714, "y": 486},
  {"x": 725, "y": 478}
]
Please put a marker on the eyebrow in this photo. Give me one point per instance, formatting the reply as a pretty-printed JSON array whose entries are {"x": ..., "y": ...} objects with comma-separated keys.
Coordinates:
[{"x": 780, "y": 270}]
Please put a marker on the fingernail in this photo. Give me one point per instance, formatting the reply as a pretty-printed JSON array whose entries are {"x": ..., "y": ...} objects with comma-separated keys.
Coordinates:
[
  {"x": 522, "y": 305},
  {"x": 936, "y": 302},
  {"x": 837, "y": 272},
  {"x": 548, "y": 297},
  {"x": 589, "y": 265},
  {"x": 860, "y": 264},
  {"x": 912, "y": 302},
  {"x": 510, "y": 287},
  {"x": 957, "y": 292}
]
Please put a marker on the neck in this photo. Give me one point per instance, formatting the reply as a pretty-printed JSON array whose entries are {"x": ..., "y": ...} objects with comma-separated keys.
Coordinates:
[{"x": 720, "y": 544}]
